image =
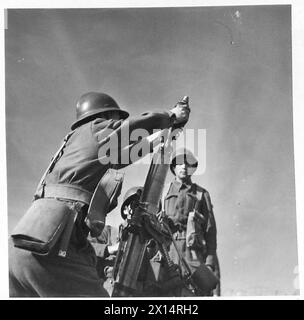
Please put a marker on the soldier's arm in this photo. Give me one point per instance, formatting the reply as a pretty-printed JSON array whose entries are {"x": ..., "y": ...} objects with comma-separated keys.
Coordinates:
[
  {"x": 211, "y": 234},
  {"x": 217, "y": 290},
  {"x": 117, "y": 139},
  {"x": 148, "y": 121},
  {"x": 160, "y": 120}
]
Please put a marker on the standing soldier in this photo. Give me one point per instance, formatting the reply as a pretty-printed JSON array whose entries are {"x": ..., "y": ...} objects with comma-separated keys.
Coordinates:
[
  {"x": 188, "y": 212},
  {"x": 62, "y": 263}
]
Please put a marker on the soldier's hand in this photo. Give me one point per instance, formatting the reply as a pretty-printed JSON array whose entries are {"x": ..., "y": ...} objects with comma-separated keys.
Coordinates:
[
  {"x": 113, "y": 248},
  {"x": 108, "y": 271},
  {"x": 170, "y": 223},
  {"x": 181, "y": 112}
]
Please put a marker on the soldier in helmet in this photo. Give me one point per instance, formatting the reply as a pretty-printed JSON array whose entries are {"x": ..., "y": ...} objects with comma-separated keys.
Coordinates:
[
  {"x": 65, "y": 193},
  {"x": 103, "y": 245},
  {"x": 106, "y": 250},
  {"x": 130, "y": 201},
  {"x": 147, "y": 282},
  {"x": 188, "y": 212}
]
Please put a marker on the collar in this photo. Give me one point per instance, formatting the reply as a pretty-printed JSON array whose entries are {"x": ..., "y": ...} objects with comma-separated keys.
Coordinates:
[
  {"x": 183, "y": 185},
  {"x": 176, "y": 186}
]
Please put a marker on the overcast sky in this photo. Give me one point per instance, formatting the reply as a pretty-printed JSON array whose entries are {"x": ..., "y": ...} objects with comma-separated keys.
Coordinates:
[{"x": 235, "y": 65}]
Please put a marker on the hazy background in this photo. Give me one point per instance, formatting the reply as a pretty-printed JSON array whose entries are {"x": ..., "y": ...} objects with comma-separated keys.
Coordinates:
[{"x": 233, "y": 62}]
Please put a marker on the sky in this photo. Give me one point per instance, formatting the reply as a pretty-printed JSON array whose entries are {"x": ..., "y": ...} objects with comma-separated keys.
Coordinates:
[{"x": 235, "y": 64}]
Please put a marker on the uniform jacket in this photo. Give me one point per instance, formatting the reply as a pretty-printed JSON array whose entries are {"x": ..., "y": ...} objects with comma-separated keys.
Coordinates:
[
  {"x": 80, "y": 165},
  {"x": 79, "y": 169},
  {"x": 180, "y": 200},
  {"x": 74, "y": 178}
]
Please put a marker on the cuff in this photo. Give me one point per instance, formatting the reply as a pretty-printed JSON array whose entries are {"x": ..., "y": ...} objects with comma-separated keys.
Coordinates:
[{"x": 172, "y": 117}]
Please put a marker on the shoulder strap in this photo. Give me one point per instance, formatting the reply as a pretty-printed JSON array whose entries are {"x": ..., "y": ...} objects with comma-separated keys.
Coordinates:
[{"x": 54, "y": 160}]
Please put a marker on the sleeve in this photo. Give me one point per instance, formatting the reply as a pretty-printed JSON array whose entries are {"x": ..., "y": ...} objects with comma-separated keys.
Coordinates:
[
  {"x": 151, "y": 121},
  {"x": 211, "y": 231},
  {"x": 217, "y": 290},
  {"x": 148, "y": 121}
]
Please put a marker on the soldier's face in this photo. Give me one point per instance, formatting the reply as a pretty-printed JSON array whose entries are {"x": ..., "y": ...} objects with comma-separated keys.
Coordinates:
[
  {"x": 127, "y": 210},
  {"x": 183, "y": 171}
]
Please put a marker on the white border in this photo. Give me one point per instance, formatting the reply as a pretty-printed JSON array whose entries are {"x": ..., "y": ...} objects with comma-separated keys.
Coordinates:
[{"x": 298, "y": 113}]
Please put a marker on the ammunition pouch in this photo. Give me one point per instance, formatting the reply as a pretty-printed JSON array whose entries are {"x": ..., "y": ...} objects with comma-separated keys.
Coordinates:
[
  {"x": 42, "y": 225},
  {"x": 203, "y": 278}
]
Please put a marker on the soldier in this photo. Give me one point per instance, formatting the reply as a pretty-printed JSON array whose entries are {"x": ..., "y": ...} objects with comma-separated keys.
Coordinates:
[
  {"x": 188, "y": 211},
  {"x": 130, "y": 201},
  {"x": 146, "y": 282},
  {"x": 63, "y": 198},
  {"x": 105, "y": 251},
  {"x": 104, "y": 248}
]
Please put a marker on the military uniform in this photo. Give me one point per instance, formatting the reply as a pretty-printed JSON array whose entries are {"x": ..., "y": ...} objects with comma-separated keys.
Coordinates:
[
  {"x": 105, "y": 260},
  {"x": 180, "y": 200},
  {"x": 72, "y": 181}
]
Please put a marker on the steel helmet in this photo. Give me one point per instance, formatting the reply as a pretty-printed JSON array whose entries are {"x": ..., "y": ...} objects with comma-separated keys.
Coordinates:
[
  {"x": 93, "y": 103},
  {"x": 181, "y": 156},
  {"x": 130, "y": 195}
]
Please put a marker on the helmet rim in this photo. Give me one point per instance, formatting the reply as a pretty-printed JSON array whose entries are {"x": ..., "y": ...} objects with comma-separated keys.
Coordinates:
[
  {"x": 94, "y": 103},
  {"x": 182, "y": 152},
  {"x": 123, "y": 115}
]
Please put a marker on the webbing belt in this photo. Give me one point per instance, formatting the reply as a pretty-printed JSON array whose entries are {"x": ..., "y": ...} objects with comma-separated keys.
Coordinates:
[{"x": 66, "y": 191}]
